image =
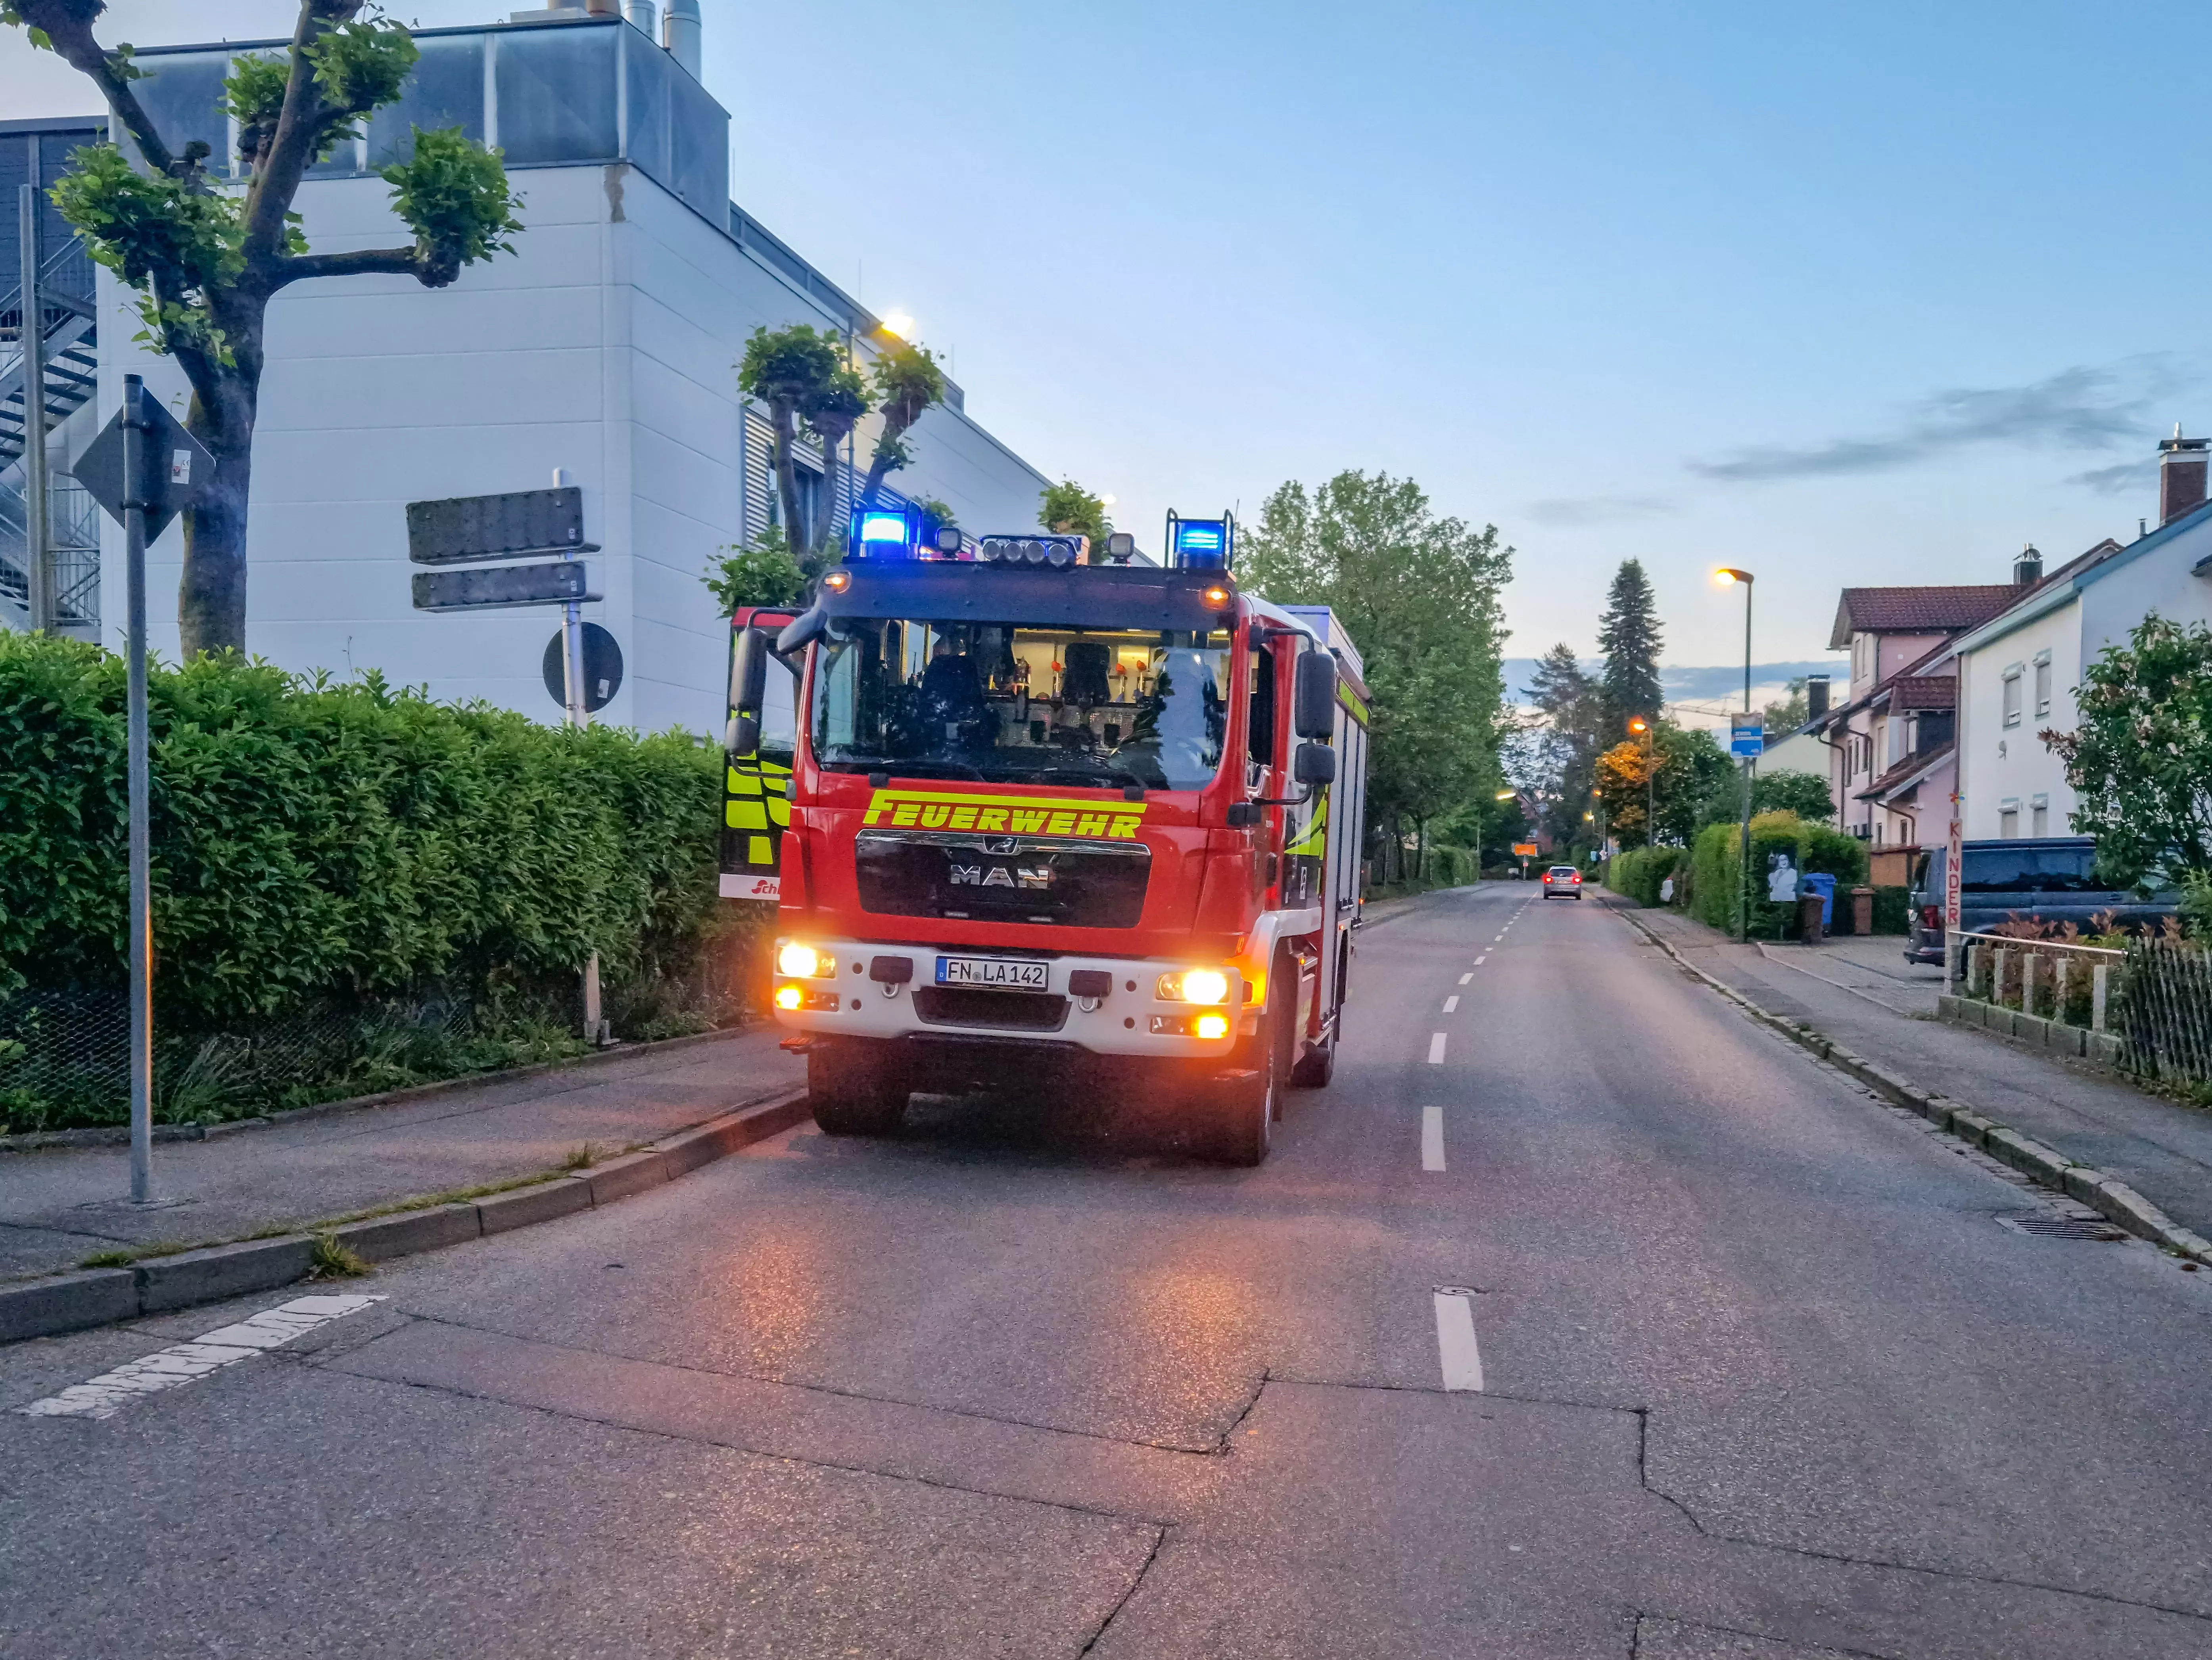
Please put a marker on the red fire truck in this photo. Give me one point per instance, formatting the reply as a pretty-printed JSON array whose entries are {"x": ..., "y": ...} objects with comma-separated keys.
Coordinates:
[{"x": 1034, "y": 818}]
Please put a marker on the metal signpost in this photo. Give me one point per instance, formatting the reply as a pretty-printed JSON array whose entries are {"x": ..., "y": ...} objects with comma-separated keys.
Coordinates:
[
  {"x": 472, "y": 530},
  {"x": 1746, "y": 742},
  {"x": 144, "y": 469}
]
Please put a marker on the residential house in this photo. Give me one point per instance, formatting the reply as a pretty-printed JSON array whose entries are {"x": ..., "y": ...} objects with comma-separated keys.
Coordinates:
[
  {"x": 1890, "y": 739},
  {"x": 2017, "y": 672}
]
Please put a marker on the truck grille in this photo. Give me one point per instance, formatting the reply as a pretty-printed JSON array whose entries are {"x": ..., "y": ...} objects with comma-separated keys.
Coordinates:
[
  {"x": 1017, "y": 1011},
  {"x": 1057, "y": 882}
]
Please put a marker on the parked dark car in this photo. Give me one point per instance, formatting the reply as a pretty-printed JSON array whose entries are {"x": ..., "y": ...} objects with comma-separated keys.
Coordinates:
[{"x": 2046, "y": 879}]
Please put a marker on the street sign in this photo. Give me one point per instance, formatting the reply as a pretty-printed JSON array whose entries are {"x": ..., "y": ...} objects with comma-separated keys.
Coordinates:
[
  {"x": 176, "y": 467},
  {"x": 464, "y": 527},
  {"x": 1524, "y": 850},
  {"x": 562, "y": 583},
  {"x": 1747, "y": 736},
  {"x": 602, "y": 668}
]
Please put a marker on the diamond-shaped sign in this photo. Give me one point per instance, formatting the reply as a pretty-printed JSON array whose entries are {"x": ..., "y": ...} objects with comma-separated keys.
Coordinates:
[{"x": 177, "y": 468}]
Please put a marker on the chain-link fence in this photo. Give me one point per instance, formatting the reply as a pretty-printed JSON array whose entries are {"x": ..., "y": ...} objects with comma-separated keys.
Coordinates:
[
  {"x": 66, "y": 1056},
  {"x": 2166, "y": 1009}
]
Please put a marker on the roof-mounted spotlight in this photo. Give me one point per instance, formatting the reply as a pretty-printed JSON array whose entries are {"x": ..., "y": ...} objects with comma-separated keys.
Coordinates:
[{"x": 1059, "y": 552}]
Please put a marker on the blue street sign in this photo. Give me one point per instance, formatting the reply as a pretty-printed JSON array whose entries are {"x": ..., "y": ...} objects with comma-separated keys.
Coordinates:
[{"x": 1747, "y": 736}]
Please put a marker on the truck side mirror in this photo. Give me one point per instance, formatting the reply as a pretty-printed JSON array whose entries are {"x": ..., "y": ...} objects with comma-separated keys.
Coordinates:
[
  {"x": 1313, "y": 699},
  {"x": 1314, "y": 763},
  {"x": 741, "y": 737},
  {"x": 748, "y": 671}
]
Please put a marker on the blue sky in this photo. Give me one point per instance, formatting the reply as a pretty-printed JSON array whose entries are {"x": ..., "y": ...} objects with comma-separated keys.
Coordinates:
[{"x": 1837, "y": 293}]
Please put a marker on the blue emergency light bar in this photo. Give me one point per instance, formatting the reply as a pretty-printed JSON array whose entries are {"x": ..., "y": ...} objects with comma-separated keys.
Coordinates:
[{"x": 1201, "y": 543}]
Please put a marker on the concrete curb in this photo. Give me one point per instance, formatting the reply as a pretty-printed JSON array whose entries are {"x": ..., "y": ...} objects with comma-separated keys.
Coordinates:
[
  {"x": 119, "y": 1135},
  {"x": 2111, "y": 1198},
  {"x": 73, "y": 1302}
]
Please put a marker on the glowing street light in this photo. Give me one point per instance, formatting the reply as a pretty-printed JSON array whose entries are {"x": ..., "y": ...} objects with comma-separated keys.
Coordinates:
[{"x": 900, "y": 324}]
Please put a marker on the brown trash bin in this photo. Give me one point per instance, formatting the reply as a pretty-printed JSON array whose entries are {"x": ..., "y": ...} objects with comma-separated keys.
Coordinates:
[
  {"x": 1862, "y": 910},
  {"x": 1809, "y": 931}
]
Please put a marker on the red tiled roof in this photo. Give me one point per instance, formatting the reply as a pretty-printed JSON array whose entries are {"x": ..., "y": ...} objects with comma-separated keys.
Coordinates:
[
  {"x": 1908, "y": 770},
  {"x": 1917, "y": 610},
  {"x": 1922, "y": 692}
]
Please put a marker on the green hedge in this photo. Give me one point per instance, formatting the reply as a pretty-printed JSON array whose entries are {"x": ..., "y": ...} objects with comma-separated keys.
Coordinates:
[
  {"x": 1812, "y": 848},
  {"x": 1639, "y": 872},
  {"x": 314, "y": 842},
  {"x": 1893, "y": 909}
]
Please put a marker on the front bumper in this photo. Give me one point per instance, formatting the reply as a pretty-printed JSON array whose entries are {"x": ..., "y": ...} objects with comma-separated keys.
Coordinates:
[{"x": 1128, "y": 1021}]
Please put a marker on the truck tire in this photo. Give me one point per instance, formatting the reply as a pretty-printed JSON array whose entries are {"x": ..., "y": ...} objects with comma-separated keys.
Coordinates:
[
  {"x": 1244, "y": 1108},
  {"x": 855, "y": 1091}
]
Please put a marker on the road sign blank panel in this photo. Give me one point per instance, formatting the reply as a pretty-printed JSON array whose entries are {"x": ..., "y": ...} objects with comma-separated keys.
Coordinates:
[
  {"x": 500, "y": 585},
  {"x": 464, "y": 527}
]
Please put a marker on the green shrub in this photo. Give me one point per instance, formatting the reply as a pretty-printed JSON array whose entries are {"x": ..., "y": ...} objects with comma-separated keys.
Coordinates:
[
  {"x": 314, "y": 842},
  {"x": 1812, "y": 848},
  {"x": 1893, "y": 909},
  {"x": 1639, "y": 871}
]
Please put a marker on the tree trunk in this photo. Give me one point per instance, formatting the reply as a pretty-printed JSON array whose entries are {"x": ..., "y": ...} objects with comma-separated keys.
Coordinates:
[
  {"x": 795, "y": 529},
  {"x": 880, "y": 460},
  {"x": 211, "y": 595}
]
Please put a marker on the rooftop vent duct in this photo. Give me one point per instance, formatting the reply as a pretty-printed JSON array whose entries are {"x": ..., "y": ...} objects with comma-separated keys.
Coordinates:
[
  {"x": 644, "y": 16},
  {"x": 680, "y": 34},
  {"x": 1816, "y": 696},
  {"x": 2027, "y": 569}
]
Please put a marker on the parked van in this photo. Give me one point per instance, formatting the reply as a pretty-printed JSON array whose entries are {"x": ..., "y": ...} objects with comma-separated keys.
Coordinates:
[{"x": 2052, "y": 880}]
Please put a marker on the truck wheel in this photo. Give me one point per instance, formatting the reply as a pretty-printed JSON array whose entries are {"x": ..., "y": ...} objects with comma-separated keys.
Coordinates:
[
  {"x": 855, "y": 1091},
  {"x": 1245, "y": 1108}
]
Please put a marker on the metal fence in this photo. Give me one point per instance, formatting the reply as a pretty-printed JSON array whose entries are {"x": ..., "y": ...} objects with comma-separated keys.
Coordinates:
[
  {"x": 2166, "y": 1009},
  {"x": 66, "y": 1056}
]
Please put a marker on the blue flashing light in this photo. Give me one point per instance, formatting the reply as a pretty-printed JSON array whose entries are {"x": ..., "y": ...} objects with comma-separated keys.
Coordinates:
[
  {"x": 885, "y": 533},
  {"x": 1203, "y": 543}
]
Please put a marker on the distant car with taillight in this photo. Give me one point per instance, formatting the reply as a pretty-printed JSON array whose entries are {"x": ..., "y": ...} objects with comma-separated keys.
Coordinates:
[{"x": 1562, "y": 882}]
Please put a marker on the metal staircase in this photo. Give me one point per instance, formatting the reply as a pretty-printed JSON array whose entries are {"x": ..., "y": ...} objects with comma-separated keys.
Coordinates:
[{"x": 67, "y": 322}]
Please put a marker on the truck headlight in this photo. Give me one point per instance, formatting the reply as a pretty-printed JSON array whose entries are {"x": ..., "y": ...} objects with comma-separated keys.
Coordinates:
[
  {"x": 805, "y": 962},
  {"x": 1211, "y": 1027},
  {"x": 789, "y": 996},
  {"x": 1193, "y": 985}
]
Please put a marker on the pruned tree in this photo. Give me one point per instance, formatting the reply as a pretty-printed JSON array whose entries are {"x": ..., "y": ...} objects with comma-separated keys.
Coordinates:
[
  {"x": 1561, "y": 752},
  {"x": 806, "y": 377},
  {"x": 207, "y": 255},
  {"x": 1069, "y": 510},
  {"x": 908, "y": 383}
]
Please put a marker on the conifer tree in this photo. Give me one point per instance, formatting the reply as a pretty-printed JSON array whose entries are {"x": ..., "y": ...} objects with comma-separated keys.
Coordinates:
[{"x": 1628, "y": 634}]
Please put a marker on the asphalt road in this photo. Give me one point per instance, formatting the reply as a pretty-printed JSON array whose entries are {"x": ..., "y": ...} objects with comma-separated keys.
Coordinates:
[{"x": 1760, "y": 1375}]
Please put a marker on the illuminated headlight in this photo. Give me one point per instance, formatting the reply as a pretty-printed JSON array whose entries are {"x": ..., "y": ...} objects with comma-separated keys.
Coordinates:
[
  {"x": 789, "y": 996},
  {"x": 1211, "y": 1026},
  {"x": 805, "y": 962},
  {"x": 1195, "y": 986}
]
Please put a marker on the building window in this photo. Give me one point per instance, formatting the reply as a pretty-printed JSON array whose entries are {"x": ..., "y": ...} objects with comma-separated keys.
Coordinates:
[
  {"x": 2039, "y": 810},
  {"x": 2012, "y": 677},
  {"x": 2008, "y": 817},
  {"x": 2043, "y": 682}
]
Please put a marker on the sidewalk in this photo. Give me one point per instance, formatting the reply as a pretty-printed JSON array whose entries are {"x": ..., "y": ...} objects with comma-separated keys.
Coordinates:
[
  {"x": 61, "y": 1205},
  {"x": 1863, "y": 995}
]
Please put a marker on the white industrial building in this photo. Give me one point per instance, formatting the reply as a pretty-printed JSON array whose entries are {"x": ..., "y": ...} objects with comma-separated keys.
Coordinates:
[{"x": 605, "y": 346}]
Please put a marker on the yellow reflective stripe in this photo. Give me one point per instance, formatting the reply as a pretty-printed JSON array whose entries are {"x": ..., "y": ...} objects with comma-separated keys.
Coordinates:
[
  {"x": 779, "y": 812},
  {"x": 747, "y": 815},
  {"x": 759, "y": 850}
]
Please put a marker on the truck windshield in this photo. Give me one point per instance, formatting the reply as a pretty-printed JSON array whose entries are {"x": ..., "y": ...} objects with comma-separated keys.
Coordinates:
[{"x": 1004, "y": 702}]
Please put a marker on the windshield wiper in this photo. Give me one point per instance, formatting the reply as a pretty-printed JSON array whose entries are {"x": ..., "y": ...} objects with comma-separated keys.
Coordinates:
[
  {"x": 1090, "y": 769},
  {"x": 942, "y": 769}
]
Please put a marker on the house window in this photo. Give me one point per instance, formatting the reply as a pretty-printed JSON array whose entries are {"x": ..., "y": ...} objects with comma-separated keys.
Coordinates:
[
  {"x": 2012, "y": 677},
  {"x": 2039, "y": 810},
  {"x": 2043, "y": 682},
  {"x": 2008, "y": 817}
]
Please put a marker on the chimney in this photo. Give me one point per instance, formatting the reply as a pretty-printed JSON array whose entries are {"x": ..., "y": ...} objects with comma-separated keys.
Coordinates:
[
  {"x": 641, "y": 15},
  {"x": 2180, "y": 476},
  {"x": 680, "y": 34},
  {"x": 2027, "y": 569},
  {"x": 1816, "y": 696}
]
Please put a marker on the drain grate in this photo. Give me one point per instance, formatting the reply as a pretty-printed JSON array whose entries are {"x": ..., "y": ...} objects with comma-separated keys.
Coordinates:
[{"x": 2065, "y": 1227}]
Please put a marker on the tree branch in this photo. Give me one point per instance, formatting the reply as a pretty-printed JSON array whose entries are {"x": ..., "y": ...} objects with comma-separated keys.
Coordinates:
[
  {"x": 299, "y": 129},
  {"x": 362, "y": 262},
  {"x": 70, "y": 28}
]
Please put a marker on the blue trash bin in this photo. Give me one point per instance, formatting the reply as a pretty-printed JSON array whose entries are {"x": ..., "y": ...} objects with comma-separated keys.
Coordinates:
[{"x": 1819, "y": 881}]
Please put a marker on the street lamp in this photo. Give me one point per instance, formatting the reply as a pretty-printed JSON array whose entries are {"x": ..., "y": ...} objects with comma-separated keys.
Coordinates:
[
  {"x": 1726, "y": 576},
  {"x": 1502, "y": 795}
]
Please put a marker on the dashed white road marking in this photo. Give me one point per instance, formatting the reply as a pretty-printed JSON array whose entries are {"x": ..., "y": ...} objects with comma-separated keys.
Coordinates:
[
  {"x": 1456, "y": 1345},
  {"x": 1436, "y": 1049},
  {"x": 1500, "y": 937},
  {"x": 1450, "y": 1003},
  {"x": 1465, "y": 977},
  {"x": 1432, "y": 1138},
  {"x": 181, "y": 1363},
  {"x": 1480, "y": 960}
]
